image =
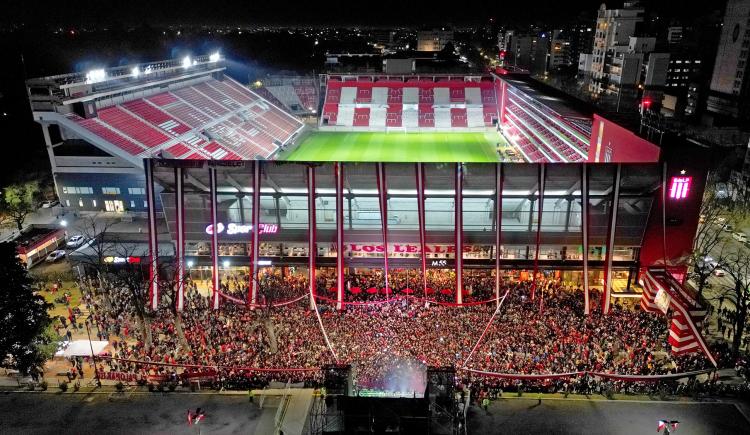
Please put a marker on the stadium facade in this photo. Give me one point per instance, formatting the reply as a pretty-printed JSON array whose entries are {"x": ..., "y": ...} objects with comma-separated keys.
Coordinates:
[{"x": 590, "y": 224}]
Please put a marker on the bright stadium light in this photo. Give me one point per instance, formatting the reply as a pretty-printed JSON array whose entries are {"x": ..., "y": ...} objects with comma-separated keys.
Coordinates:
[
  {"x": 96, "y": 75},
  {"x": 215, "y": 57},
  {"x": 226, "y": 264},
  {"x": 135, "y": 72},
  {"x": 186, "y": 62},
  {"x": 190, "y": 263}
]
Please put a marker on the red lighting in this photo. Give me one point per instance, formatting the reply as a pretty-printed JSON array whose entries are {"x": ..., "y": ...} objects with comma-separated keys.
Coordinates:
[{"x": 679, "y": 187}]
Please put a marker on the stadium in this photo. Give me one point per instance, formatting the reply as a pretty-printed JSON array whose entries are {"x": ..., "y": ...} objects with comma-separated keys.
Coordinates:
[{"x": 417, "y": 234}]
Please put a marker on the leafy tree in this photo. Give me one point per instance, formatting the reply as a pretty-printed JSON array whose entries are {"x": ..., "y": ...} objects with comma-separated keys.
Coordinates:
[
  {"x": 19, "y": 200},
  {"x": 25, "y": 337}
]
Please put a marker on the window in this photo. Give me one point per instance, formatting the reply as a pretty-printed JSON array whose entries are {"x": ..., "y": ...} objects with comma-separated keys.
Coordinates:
[
  {"x": 80, "y": 203},
  {"x": 132, "y": 204},
  {"x": 145, "y": 204},
  {"x": 67, "y": 203},
  {"x": 136, "y": 190},
  {"x": 111, "y": 190},
  {"x": 72, "y": 190},
  {"x": 93, "y": 201}
]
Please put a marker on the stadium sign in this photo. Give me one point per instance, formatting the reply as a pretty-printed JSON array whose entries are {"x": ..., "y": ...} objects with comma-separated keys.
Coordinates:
[
  {"x": 233, "y": 228},
  {"x": 399, "y": 248}
]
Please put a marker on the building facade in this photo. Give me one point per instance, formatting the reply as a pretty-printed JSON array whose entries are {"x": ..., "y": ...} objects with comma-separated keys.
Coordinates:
[
  {"x": 442, "y": 224},
  {"x": 728, "y": 96}
]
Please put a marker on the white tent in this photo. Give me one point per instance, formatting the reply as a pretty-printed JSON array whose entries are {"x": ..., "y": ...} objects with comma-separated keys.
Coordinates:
[{"x": 83, "y": 348}]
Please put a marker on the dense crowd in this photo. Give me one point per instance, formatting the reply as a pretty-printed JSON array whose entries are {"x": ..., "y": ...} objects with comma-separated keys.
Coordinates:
[{"x": 390, "y": 344}]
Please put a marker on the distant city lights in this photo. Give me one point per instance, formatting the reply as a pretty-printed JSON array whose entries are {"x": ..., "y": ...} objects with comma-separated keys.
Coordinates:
[
  {"x": 135, "y": 72},
  {"x": 214, "y": 57}
]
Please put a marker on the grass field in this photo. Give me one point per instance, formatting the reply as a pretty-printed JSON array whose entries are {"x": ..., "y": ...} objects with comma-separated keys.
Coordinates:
[{"x": 397, "y": 147}]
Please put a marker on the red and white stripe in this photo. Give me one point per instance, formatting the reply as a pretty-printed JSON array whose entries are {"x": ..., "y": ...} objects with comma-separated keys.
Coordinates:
[
  {"x": 540, "y": 208},
  {"x": 153, "y": 244}
]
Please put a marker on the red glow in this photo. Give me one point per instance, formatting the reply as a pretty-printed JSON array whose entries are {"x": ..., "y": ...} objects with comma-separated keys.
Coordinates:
[{"x": 679, "y": 187}]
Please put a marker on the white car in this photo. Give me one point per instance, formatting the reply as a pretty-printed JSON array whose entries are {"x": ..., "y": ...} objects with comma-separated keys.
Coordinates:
[
  {"x": 55, "y": 255},
  {"x": 48, "y": 204},
  {"x": 740, "y": 237},
  {"x": 719, "y": 272},
  {"x": 75, "y": 241}
]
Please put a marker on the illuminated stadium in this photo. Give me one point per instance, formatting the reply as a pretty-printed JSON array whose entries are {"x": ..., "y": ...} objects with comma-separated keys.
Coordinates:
[{"x": 481, "y": 212}]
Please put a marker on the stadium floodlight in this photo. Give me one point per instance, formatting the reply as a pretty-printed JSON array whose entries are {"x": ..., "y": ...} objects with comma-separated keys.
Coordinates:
[
  {"x": 96, "y": 75},
  {"x": 186, "y": 62},
  {"x": 135, "y": 72},
  {"x": 226, "y": 264},
  {"x": 63, "y": 223},
  {"x": 215, "y": 57},
  {"x": 190, "y": 263}
]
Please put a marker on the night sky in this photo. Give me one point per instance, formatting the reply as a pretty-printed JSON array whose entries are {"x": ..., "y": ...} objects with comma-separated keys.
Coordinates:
[{"x": 295, "y": 12}]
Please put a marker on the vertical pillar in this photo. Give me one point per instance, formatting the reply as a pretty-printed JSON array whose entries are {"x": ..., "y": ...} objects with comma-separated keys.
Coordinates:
[
  {"x": 459, "y": 230},
  {"x": 179, "y": 269},
  {"x": 254, "y": 243},
  {"x": 607, "y": 290},
  {"x": 585, "y": 235},
  {"x": 499, "y": 178},
  {"x": 383, "y": 196},
  {"x": 420, "y": 211},
  {"x": 153, "y": 244},
  {"x": 215, "y": 281},
  {"x": 539, "y": 210},
  {"x": 339, "y": 175},
  {"x": 311, "y": 244}
]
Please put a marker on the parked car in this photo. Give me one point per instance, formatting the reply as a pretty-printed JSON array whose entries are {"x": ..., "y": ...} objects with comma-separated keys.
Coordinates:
[
  {"x": 740, "y": 237},
  {"x": 75, "y": 241},
  {"x": 728, "y": 228},
  {"x": 719, "y": 272},
  {"x": 49, "y": 203},
  {"x": 55, "y": 255}
]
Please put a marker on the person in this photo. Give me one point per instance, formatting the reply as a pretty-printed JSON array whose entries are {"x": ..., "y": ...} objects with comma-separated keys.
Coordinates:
[{"x": 486, "y": 404}]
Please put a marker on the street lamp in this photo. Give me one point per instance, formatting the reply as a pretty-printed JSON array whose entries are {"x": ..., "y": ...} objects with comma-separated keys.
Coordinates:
[{"x": 63, "y": 223}]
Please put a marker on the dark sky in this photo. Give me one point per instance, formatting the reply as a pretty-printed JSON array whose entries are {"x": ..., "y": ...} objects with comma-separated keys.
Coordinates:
[{"x": 384, "y": 12}]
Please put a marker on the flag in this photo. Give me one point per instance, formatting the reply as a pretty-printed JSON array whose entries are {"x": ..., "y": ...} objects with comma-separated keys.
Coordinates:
[{"x": 661, "y": 426}]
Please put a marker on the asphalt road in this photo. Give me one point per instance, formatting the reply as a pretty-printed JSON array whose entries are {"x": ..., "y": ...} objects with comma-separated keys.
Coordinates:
[
  {"x": 153, "y": 413},
  {"x": 24, "y": 413},
  {"x": 526, "y": 416}
]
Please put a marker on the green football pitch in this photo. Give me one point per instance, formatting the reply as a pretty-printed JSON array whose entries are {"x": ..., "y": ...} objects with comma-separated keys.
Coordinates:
[{"x": 397, "y": 147}]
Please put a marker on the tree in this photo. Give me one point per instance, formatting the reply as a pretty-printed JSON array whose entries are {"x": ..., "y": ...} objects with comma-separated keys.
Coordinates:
[
  {"x": 19, "y": 200},
  {"x": 736, "y": 263},
  {"x": 713, "y": 214},
  {"x": 25, "y": 336}
]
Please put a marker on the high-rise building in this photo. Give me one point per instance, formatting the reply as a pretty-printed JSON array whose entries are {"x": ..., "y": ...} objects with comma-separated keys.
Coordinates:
[
  {"x": 730, "y": 88},
  {"x": 434, "y": 39},
  {"x": 614, "y": 27}
]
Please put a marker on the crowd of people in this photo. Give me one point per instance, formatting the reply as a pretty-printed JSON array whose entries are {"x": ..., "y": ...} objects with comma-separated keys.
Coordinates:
[{"x": 389, "y": 345}]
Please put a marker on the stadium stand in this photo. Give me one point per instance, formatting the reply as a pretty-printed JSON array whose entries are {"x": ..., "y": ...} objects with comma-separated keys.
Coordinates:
[
  {"x": 296, "y": 94},
  {"x": 218, "y": 119},
  {"x": 430, "y": 102}
]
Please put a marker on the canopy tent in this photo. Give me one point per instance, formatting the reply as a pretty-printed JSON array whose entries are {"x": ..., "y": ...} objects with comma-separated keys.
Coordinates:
[{"x": 83, "y": 348}]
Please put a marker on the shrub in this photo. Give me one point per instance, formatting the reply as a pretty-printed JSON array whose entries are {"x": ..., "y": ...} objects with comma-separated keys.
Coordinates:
[
  {"x": 77, "y": 386},
  {"x": 172, "y": 386},
  {"x": 119, "y": 386},
  {"x": 63, "y": 386},
  {"x": 30, "y": 386},
  {"x": 43, "y": 385}
]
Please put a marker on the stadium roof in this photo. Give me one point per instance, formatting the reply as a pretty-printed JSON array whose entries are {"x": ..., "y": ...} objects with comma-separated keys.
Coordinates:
[
  {"x": 556, "y": 100},
  {"x": 185, "y": 112}
]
